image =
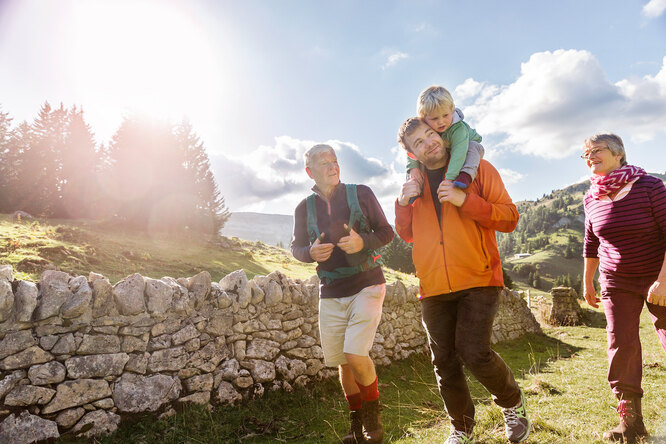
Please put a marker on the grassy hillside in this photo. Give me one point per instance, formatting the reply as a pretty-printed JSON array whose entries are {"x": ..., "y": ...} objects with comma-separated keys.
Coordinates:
[{"x": 79, "y": 247}]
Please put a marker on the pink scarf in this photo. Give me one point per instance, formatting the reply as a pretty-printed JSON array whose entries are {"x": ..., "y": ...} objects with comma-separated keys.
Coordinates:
[{"x": 604, "y": 185}]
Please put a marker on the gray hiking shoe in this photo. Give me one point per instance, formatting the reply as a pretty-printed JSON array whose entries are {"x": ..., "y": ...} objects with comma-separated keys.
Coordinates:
[
  {"x": 516, "y": 424},
  {"x": 459, "y": 437}
]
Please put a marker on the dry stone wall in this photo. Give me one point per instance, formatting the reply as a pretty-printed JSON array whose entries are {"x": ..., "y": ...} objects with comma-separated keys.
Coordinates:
[{"x": 77, "y": 353}]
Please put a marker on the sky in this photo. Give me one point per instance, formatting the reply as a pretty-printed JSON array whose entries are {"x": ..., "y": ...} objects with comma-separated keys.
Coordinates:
[{"x": 261, "y": 81}]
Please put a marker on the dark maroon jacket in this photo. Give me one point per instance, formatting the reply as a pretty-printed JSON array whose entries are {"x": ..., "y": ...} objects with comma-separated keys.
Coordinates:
[{"x": 331, "y": 217}]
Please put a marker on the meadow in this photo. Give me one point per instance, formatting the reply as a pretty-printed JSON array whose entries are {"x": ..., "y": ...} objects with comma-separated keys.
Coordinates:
[{"x": 563, "y": 371}]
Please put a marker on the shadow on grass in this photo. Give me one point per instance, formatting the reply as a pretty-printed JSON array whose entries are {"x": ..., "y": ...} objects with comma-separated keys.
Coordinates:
[
  {"x": 594, "y": 319},
  {"x": 318, "y": 413}
]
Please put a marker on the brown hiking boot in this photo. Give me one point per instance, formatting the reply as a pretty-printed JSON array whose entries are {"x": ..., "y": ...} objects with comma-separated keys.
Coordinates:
[
  {"x": 372, "y": 421},
  {"x": 355, "y": 435},
  {"x": 631, "y": 425}
]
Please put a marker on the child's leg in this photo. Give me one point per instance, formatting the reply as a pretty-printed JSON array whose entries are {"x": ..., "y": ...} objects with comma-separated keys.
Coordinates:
[{"x": 468, "y": 171}]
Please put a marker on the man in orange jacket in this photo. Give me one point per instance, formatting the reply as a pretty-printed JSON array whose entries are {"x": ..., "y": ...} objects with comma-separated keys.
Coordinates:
[{"x": 460, "y": 278}]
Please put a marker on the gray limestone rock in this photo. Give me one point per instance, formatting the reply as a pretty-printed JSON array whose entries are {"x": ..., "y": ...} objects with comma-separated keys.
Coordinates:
[
  {"x": 15, "y": 342},
  {"x": 262, "y": 349},
  {"x": 26, "y": 428},
  {"x": 30, "y": 356},
  {"x": 159, "y": 295},
  {"x": 237, "y": 282},
  {"x": 50, "y": 373},
  {"x": 10, "y": 381},
  {"x": 261, "y": 371},
  {"x": 66, "y": 345},
  {"x": 78, "y": 301},
  {"x": 96, "y": 366},
  {"x": 104, "y": 423},
  {"x": 27, "y": 395},
  {"x": 289, "y": 369},
  {"x": 227, "y": 394},
  {"x": 199, "y": 288},
  {"x": 102, "y": 296},
  {"x": 95, "y": 344},
  {"x": 53, "y": 292},
  {"x": 7, "y": 273},
  {"x": 128, "y": 295},
  {"x": 170, "y": 359},
  {"x": 135, "y": 393},
  {"x": 25, "y": 301},
  {"x": 199, "y": 383},
  {"x": 67, "y": 418},
  {"x": 77, "y": 393},
  {"x": 6, "y": 299},
  {"x": 185, "y": 334}
]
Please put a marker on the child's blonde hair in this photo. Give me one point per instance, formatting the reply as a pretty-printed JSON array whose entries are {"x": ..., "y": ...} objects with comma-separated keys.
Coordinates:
[{"x": 433, "y": 99}]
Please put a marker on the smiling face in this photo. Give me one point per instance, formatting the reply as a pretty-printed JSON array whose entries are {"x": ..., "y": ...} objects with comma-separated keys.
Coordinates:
[
  {"x": 600, "y": 159},
  {"x": 439, "y": 119},
  {"x": 324, "y": 170},
  {"x": 427, "y": 146}
]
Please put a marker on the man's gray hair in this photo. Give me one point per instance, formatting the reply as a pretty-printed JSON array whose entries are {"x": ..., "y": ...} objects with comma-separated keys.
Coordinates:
[
  {"x": 316, "y": 151},
  {"x": 612, "y": 141}
]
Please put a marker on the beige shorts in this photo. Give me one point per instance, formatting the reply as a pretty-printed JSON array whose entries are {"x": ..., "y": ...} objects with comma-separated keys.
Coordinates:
[{"x": 349, "y": 324}]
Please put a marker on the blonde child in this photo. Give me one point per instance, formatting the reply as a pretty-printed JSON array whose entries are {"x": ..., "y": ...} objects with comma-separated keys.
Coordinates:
[{"x": 435, "y": 106}]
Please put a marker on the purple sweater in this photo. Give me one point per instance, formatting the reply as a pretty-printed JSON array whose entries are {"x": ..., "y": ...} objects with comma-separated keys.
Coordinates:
[
  {"x": 331, "y": 217},
  {"x": 628, "y": 236}
]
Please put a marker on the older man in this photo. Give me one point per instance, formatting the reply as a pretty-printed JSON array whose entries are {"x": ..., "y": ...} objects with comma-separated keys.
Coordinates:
[
  {"x": 340, "y": 226},
  {"x": 460, "y": 276}
]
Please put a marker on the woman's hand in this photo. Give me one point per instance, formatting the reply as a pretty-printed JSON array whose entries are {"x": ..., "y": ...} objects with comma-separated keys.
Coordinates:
[
  {"x": 657, "y": 294},
  {"x": 590, "y": 294}
]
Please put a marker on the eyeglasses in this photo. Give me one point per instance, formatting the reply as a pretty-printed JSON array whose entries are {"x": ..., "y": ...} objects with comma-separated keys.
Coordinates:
[{"x": 593, "y": 152}]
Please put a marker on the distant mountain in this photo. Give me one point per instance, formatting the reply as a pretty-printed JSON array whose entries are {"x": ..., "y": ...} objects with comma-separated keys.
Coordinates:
[{"x": 272, "y": 229}]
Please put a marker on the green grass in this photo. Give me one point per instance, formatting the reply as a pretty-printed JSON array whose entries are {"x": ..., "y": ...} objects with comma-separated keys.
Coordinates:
[
  {"x": 80, "y": 246},
  {"x": 562, "y": 372}
]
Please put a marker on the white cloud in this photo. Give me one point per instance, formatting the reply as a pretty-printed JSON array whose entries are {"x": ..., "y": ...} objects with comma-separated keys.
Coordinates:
[
  {"x": 272, "y": 179},
  {"x": 654, "y": 8},
  {"x": 559, "y": 99},
  {"x": 394, "y": 58},
  {"x": 510, "y": 176}
]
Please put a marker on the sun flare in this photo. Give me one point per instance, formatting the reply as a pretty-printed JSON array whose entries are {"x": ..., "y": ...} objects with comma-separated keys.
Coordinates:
[{"x": 150, "y": 57}]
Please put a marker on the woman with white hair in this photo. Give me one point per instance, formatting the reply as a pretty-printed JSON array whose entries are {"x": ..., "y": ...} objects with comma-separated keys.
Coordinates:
[{"x": 625, "y": 238}]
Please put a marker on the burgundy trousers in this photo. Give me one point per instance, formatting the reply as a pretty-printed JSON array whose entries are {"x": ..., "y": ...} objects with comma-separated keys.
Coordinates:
[{"x": 625, "y": 361}]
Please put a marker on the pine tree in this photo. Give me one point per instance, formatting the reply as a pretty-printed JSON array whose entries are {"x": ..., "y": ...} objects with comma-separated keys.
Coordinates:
[
  {"x": 209, "y": 213},
  {"x": 7, "y": 163},
  {"x": 146, "y": 175},
  {"x": 80, "y": 188},
  {"x": 42, "y": 161}
]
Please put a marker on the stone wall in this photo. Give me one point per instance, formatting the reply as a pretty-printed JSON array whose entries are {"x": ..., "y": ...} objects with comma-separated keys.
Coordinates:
[
  {"x": 76, "y": 353},
  {"x": 565, "y": 310}
]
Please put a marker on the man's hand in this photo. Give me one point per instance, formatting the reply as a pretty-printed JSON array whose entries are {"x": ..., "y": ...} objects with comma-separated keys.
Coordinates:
[
  {"x": 353, "y": 243},
  {"x": 591, "y": 294},
  {"x": 657, "y": 294},
  {"x": 448, "y": 193},
  {"x": 321, "y": 252},
  {"x": 410, "y": 189}
]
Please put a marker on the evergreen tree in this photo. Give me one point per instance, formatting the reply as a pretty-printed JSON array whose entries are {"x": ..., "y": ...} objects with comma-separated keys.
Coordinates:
[
  {"x": 147, "y": 175},
  {"x": 397, "y": 255},
  {"x": 7, "y": 163},
  {"x": 209, "y": 213},
  {"x": 80, "y": 188},
  {"x": 42, "y": 161}
]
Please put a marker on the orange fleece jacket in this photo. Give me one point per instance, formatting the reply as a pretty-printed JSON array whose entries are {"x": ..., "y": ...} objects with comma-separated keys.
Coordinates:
[{"x": 462, "y": 252}]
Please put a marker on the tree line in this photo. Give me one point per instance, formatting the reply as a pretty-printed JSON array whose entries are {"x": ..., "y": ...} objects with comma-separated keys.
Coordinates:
[{"x": 151, "y": 175}]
